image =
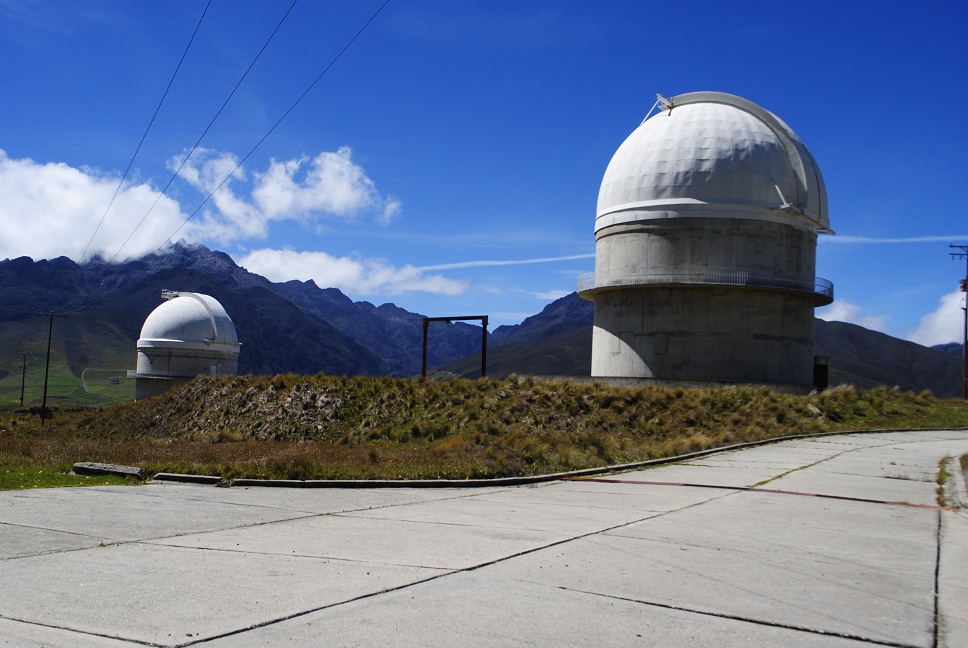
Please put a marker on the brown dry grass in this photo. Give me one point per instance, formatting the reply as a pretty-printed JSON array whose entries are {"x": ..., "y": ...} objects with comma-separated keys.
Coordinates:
[{"x": 322, "y": 427}]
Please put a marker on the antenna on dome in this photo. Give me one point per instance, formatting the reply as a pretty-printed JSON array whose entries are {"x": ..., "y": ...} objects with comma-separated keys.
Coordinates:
[{"x": 659, "y": 99}]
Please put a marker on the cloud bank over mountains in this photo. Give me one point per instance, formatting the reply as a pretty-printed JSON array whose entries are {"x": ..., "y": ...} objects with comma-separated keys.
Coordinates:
[{"x": 52, "y": 209}]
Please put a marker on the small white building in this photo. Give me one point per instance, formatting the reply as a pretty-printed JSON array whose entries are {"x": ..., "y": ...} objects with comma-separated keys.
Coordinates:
[{"x": 188, "y": 335}]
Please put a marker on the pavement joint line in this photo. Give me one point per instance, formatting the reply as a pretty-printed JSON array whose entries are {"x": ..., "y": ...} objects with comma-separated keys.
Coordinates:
[
  {"x": 82, "y": 632},
  {"x": 160, "y": 542},
  {"x": 734, "y": 617},
  {"x": 847, "y": 498},
  {"x": 157, "y": 540},
  {"x": 40, "y": 528},
  {"x": 302, "y": 613},
  {"x": 462, "y": 570}
]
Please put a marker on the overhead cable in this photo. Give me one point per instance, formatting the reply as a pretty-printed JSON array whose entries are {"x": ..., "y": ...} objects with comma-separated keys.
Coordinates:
[
  {"x": 151, "y": 122},
  {"x": 197, "y": 141},
  {"x": 145, "y": 134},
  {"x": 276, "y": 125},
  {"x": 205, "y": 132}
]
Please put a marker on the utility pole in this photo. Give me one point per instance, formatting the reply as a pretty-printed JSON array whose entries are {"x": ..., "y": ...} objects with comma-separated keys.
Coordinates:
[
  {"x": 964, "y": 340},
  {"x": 50, "y": 334},
  {"x": 23, "y": 375}
]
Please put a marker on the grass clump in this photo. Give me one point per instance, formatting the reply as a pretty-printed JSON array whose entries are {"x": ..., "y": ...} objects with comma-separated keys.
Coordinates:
[
  {"x": 323, "y": 427},
  {"x": 941, "y": 478},
  {"x": 19, "y": 476}
]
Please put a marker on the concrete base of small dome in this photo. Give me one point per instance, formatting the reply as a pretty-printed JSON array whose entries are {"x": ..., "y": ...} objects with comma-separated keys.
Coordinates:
[{"x": 146, "y": 387}]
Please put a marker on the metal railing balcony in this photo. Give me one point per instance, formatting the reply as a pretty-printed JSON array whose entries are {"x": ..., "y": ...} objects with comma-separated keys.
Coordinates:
[{"x": 821, "y": 288}]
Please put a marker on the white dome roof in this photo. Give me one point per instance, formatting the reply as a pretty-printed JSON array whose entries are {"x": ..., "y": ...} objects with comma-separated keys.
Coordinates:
[
  {"x": 715, "y": 155},
  {"x": 189, "y": 320}
]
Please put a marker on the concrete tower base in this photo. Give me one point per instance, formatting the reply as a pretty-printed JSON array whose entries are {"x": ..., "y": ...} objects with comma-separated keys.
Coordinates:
[{"x": 704, "y": 333}]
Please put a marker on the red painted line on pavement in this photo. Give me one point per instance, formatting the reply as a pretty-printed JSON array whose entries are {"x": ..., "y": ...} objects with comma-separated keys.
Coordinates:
[{"x": 605, "y": 480}]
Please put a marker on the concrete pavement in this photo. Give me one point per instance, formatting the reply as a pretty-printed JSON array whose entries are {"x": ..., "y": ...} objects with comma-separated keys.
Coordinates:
[{"x": 832, "y": 541}]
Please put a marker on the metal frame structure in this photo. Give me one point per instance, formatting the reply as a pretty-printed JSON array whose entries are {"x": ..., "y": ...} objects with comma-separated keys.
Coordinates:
[{"x": 426, "y": 325}]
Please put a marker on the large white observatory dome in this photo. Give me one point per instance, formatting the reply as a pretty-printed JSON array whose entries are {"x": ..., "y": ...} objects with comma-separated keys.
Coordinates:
[
  {"x": 705, "y": 248},
  {"x": 187, "y": 335},
  {"x": 712, "y": 154}
]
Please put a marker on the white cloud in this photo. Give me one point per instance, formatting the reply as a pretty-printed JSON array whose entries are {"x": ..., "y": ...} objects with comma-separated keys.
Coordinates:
[
  {"x": 482, "y": 264},
  {"x": 552, "y": 295},
  {"x": 355, "y": 276},
  {"x": 52, "y": 209},
  {"x": 944, "y": 324},
  {"x": 303, "y": 190},
  {"x": 232, "y": 218},
  {"x": 329, "y": 184},
  {"x": 845, "y": 311}
]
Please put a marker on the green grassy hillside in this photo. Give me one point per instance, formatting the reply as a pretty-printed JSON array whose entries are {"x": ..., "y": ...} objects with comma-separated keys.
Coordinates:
[{"x": 88, "y": 362}]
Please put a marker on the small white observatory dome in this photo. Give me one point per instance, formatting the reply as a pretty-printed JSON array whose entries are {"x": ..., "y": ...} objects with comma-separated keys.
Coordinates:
[
  {"x": 189, "y": 320},
  {"x": 188, "y": 335},
  {"x": 717, "y": 155}
]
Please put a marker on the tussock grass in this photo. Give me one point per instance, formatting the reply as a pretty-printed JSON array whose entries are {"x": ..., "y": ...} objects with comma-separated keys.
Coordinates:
[{"x": 325, "y": 427}]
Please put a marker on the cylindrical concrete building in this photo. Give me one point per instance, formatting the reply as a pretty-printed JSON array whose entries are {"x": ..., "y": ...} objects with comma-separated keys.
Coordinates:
[
  {"x": 188, "y": 335},
  {"x": 705, "y": 252}
]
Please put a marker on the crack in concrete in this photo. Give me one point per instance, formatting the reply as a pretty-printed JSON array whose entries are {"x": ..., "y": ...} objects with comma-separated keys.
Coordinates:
[{"x": 936, "y": 619}]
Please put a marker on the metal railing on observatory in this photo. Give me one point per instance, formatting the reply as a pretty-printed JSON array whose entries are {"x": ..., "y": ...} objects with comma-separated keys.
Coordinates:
[{"x": 707, "y": 277}]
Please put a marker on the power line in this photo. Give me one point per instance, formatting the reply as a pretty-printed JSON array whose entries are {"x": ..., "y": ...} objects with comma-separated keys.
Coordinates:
[
  {"x": 205, "y": 132},
  {"x": 134, "y": 156},
  {"x": 279, "y": 121},
  {"x": 145, "y": 134},
  {"x": 292, "y": 107},
  {"x": 164, "y": 191}
]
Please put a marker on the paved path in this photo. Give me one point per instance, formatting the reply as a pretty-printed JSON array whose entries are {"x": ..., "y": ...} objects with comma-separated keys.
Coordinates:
[{"x": 683, "y": 555}]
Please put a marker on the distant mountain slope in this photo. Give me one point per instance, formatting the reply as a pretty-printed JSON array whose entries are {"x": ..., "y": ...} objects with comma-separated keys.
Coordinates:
[
  {"x": 562, "y": 353},
  {"x": 867, "y": 358},
  {"x": 391, "y": 333},
  {"x": 568, "y": 312},
  {"x": 954, "y": 348}
]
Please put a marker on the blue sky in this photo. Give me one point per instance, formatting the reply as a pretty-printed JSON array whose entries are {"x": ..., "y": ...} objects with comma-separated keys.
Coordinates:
[{"x": 450, "y": 160}]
